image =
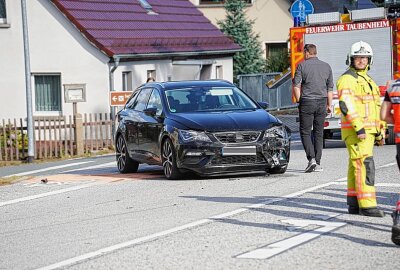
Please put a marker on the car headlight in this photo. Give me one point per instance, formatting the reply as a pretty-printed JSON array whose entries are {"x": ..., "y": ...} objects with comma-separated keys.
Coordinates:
[
  {"x": 275, "y": 132},
  {"x": 191, "y": 135}
]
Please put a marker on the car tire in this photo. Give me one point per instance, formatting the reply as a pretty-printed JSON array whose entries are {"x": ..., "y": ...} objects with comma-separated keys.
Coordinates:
[
  {"x": 278, "y": 169},
  {"x": 124, "y": 162},
  {"x": 168, "y": 158}
]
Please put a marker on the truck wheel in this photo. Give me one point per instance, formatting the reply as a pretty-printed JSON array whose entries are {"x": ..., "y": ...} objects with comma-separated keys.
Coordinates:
[{"x": 390, "y": 137}]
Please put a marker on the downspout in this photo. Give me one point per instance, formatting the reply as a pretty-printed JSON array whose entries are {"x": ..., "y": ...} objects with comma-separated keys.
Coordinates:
[
  {"x": 199, "y": 73},
  {"x": 113, "y": 66}
]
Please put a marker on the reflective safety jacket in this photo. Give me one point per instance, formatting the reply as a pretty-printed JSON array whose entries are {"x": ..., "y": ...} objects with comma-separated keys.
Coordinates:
[
  {"x": 394, "y": 96},
  {"x": 360, "y": 104}
]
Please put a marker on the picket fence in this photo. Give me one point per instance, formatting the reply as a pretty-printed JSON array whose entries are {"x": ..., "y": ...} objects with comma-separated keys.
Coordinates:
[{"x": 54, "y": 136}]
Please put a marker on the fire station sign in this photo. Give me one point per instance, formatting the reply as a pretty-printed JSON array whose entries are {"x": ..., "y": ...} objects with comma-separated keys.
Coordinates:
[{"x": 119, "y": 98}]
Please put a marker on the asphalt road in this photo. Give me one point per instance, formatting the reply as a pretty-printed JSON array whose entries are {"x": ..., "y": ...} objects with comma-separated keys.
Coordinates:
[{"x": 83, "y": 214}]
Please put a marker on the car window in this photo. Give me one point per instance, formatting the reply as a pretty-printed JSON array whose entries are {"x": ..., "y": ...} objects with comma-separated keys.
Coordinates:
[
  {"x": 131, "y": 100},
  {"x": 208, "y": 99},
  {"x": 140, "y": 103},
  {"x": 155, "y": 101}
]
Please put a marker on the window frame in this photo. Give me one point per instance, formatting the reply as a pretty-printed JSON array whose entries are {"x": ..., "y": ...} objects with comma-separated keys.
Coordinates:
[
  {"x": 3, "y": 20},
  {"x": 34, "y": 94}
]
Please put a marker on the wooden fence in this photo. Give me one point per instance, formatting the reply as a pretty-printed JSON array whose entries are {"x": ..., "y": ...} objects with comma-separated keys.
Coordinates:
[{"x": 54, "y": 136}]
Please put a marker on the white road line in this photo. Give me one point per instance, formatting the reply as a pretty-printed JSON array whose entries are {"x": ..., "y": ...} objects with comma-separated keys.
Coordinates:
[
  {"x": 388, "y": 165},
  {"x": 136, "y": 241},
  {"x": 49, "y": 169},
  {"x": 110, "y": 249},
  {"x": 42, "y": 195},
  {"x": 286, "y": 244},
  {"x": 108, "y": 164}
]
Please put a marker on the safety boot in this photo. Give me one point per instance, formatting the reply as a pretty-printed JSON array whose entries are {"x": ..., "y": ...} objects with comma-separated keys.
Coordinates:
[
  {"x": 396, "y": 227},
  {"x": 354, "y": 210},
  {"x": 372, "y": 212}
]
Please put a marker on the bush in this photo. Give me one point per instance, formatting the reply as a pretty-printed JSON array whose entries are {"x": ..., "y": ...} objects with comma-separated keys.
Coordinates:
[{"x": 11, "y": 137}]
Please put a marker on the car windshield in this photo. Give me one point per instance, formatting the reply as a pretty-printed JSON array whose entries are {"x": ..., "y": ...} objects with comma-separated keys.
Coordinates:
[{"x": 208, "y": 99}]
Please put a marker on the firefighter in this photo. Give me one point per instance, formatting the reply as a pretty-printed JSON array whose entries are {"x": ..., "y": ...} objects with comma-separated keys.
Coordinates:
[
  {"x": 361, "y": 128},
  {"x": 390, "y": 112}
]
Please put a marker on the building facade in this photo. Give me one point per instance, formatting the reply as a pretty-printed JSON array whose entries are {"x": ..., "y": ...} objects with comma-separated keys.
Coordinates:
[{"x": 102, "y": 46}]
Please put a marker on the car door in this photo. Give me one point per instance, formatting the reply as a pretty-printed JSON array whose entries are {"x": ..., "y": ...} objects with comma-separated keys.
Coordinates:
[
  {"x": 138, "y": 120},
  {"x": 133, "y": 121},
  {"x": 152, "y": 126}
]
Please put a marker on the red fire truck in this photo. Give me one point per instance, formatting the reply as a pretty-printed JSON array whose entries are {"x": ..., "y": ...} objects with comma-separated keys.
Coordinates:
[{"x": 333, "y": 33}]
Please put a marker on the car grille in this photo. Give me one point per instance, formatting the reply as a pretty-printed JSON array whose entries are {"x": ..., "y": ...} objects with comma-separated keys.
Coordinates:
[
  {"x": 238, "y": 160},
  {"x": 237, "y": 137}
]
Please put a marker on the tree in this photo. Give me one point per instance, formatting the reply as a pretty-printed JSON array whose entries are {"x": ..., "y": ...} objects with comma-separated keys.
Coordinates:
[
  {"x": 278, "y": 62},
  {"x": 236, "y": 25}
]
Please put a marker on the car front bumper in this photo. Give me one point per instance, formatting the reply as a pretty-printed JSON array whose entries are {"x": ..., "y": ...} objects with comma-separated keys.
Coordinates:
[{"x": 208, "y": 159}]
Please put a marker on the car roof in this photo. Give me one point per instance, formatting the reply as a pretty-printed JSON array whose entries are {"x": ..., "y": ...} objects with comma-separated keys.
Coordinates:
[{"x": 188, "y": 84}]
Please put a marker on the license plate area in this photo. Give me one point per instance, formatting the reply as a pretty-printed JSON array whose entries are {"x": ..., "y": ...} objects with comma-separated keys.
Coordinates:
[{"x": 239, "y": 151}]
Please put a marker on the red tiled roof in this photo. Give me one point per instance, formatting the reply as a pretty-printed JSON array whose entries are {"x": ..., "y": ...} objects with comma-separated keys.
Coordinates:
[{"x": 125, "y": 27}]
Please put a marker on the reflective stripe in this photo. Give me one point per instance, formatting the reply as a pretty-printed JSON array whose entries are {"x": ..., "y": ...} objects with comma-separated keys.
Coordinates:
[
  {"x": 367, "y": 124},
  {"x": 345, "y": 92},
  {"x": 363, "y": 196},
  {"x": 360, "y": 195},
  {"x": 352, "y": 116}
]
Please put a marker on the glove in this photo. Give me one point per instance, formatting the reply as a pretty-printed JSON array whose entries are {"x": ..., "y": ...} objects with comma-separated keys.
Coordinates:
[{"x": 379, "y": 139}]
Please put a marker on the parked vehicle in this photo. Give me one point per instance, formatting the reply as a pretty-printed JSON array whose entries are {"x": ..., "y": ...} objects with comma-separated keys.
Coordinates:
[
  {"x": 376, "y": 26},
  {"x": 207, "y": 127}
]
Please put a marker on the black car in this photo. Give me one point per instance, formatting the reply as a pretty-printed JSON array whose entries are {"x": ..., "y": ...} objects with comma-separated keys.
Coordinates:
[{"x": 208, "y": 127}]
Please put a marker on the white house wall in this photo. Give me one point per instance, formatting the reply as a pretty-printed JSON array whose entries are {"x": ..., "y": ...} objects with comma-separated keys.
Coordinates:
[
  {"x": 166, "y": 70},
  {"x": 272, "y": 19},
  {"x": 57, "y": 47}
]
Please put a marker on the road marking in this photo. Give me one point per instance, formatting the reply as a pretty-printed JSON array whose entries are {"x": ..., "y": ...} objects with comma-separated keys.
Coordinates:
[
  {"x": 110, "y": 249},
  {"x": 108, "y": 164},
  {"x": 387, "y": 165},
  {"x": 49, "y": 169},
  {"x": 286, "y": 244},
  {"x": 42, "y": 195},
  {"x": 154, "y": 236}
]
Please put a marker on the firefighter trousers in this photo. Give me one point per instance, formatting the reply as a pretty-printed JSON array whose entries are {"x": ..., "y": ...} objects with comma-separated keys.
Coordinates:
[{"x": 361, "y": 172}]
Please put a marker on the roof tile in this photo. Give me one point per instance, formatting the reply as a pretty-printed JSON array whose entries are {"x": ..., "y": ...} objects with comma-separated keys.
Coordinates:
[{"x": 125, "y": 27}]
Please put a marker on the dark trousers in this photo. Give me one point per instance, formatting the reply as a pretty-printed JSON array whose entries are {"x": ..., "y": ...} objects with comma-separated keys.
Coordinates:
[{"x": 312, "y": 114}]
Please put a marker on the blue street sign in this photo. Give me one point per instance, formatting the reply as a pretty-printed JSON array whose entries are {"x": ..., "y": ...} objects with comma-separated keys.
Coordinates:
[{"x": 301, "y": 8}]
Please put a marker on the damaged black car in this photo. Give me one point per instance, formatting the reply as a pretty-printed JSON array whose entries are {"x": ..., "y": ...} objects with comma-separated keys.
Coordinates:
[{"x": 206, "y": 127}]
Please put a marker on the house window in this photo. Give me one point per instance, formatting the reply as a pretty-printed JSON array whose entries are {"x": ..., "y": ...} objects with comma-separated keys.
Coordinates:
[
  {"x": 219, "y": 2},
  {"x": 3, "y": 13},
  {"x": 47, "y": 93},
  {"x": 151, "y": 74},
  {"x": 219, "y": 72},
  {"x": 275, "y": 49},
  {"x": 127, "y": 81}
]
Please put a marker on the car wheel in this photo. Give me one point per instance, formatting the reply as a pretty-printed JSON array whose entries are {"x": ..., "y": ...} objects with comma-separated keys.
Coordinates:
[
  {"x": 171, "y": 171},
  {"x": 278, "y": 169},
  {"x": 124, "y": 162}
]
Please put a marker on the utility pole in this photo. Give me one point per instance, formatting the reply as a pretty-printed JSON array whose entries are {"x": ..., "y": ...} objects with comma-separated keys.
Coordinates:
[{"x": 29, "y": 117}]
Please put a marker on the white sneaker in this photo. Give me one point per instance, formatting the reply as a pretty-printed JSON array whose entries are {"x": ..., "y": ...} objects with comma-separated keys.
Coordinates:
[
  {"x": 318, "y": 168},
  {"x": 311, "y": 166}
]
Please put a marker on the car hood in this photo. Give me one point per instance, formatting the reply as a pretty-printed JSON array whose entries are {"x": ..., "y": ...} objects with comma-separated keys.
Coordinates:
[{"x": 229, "y": 120}]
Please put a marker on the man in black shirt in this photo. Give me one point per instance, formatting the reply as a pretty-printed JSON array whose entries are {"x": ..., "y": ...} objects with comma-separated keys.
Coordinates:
[{"x": 313, "y": 86}]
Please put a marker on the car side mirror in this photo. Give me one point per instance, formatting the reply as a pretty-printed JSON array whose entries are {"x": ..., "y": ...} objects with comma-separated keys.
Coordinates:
[
  {"x": 263, "y": 104},
  {"x": 150, "y": 111}
]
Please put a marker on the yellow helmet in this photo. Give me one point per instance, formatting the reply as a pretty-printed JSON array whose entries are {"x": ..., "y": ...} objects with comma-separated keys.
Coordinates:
[{"x": 360, "y": 48}]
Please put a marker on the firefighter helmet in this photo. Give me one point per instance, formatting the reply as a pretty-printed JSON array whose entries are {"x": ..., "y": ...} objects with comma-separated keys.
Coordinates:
[{"x": 360, "y": 48}]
